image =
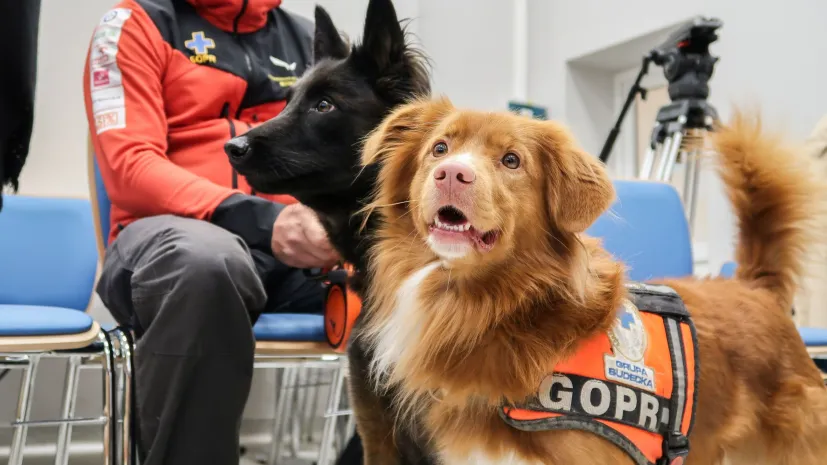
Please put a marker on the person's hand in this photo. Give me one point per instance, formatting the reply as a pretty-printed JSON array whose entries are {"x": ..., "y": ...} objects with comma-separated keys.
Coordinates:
[{"x": 300, "y": 241}]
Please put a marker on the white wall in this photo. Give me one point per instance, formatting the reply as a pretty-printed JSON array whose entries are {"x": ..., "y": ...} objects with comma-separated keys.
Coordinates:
[{"x": 470, "y": 43}]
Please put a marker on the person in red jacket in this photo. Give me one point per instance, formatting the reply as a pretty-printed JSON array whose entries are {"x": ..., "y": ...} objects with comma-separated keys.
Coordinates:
[{"x": 195, "y": 255}]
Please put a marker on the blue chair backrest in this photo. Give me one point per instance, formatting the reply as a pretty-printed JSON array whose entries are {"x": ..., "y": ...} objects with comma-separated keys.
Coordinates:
[
  {"x": 48, "y": 254},
  {"x": 646, "y": 228},
  {"x": 101, "y": 200}
]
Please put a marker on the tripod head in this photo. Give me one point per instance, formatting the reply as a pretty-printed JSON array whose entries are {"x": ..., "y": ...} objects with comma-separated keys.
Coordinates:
[{"x": 685, "y": 58}]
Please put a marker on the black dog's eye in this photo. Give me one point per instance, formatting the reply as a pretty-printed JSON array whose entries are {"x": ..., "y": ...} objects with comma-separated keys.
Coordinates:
[
  {"x": 324, "y": 106},
  {"x": 511, "y": 160},
  {"x": 440, "y": 149}
]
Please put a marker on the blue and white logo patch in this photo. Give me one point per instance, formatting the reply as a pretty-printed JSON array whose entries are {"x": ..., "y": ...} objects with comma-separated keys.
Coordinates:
[
  {"x": 629, "y": 340},
  {"x": 628, "y": 335}
]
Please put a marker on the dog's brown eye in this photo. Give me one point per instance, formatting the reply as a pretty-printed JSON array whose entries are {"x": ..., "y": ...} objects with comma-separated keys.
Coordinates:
[
  {"x": 440, "y": 149},
  {"x": 511, "y": 160},
  {"x": 324, "y": 106}
]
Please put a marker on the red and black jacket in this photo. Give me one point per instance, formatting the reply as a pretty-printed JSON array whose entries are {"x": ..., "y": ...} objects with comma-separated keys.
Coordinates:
[{"x": 167, "y": 83}]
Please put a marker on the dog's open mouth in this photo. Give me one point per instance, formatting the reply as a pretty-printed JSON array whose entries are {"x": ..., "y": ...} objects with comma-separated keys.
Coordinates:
[{"x": 451, "y": 225}]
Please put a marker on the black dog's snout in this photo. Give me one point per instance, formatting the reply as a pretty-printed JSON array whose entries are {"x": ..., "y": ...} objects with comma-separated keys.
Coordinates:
[{"x": 238, "y": 148}]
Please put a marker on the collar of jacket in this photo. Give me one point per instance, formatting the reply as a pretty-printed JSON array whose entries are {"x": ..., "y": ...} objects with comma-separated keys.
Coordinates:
[{"x": 237, "y": 16}]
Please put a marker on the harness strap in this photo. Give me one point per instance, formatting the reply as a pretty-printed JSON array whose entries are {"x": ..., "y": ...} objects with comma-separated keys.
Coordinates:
[
  {"x": 676, "y": 444},
  {"x": 666, "y": 302}
]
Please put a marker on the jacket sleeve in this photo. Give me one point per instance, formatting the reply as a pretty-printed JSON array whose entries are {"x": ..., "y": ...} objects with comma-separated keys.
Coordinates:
[
  {"x": 125, "y": 109},
  {"x": 250, "y": 218}
]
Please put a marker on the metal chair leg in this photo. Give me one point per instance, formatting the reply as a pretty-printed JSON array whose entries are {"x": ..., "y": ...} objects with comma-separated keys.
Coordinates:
[
  {"x": 24, "y": 409},
  {"x": 294, "y": 419},
  {"x": 67, "y": 410},
  {"x": 331, "y": 415},
  {"x": 311, "y": 404},
  {"x": 133, "y": 424},
  {"x": 287, "y": 384},
  {"x": 110, "y": 451},
  {"x": 127, "y": 446}
]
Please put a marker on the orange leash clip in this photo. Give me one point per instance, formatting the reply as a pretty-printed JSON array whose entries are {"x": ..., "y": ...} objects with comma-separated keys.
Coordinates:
[{"x": 342, "y": 307}]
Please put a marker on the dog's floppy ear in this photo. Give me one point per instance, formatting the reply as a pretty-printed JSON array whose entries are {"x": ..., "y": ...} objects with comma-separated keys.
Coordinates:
[
  {"x": 395, "y": 143},
  {"x": 578, "y": 188},
  {"x": 327, "y": 41}
]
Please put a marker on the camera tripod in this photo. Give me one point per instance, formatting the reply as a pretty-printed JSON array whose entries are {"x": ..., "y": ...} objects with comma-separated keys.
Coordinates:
[
  {"x": 679, "y": 135},
  {"x": 681, "y": 126}
]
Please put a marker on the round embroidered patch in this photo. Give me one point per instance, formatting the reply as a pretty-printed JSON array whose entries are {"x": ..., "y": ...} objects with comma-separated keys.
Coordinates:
[{"x": 628, "y": 335}]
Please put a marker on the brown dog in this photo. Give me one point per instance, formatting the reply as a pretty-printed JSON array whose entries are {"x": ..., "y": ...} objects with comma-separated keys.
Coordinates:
[{"x": 482, "y": 283}]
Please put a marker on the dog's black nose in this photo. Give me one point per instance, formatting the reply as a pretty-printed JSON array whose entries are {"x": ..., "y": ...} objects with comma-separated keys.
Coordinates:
[{"x": 238, "y": 148}]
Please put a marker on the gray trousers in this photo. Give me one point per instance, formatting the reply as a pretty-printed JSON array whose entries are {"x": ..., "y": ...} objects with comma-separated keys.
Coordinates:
[{"x": 192, "y": 291}]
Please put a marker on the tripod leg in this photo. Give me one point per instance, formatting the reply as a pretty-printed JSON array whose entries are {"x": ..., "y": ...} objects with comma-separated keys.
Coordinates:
[
  {"x": 665, "y": 150},
  {"x": 690, "y": 195},
  {"x": 667, "y": 165},
  {"x": 648, "y": 163}
]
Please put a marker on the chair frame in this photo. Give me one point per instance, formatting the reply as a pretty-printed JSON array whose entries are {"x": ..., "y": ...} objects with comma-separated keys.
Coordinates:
[
  {"x": 291, "y": 357},
  {"x": 92, "y": 348}
]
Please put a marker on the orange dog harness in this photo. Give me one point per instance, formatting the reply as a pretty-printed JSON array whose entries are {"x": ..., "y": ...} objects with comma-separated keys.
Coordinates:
[
  {"x": 634, "y": 385},
  {"x": 341, "y": 308}
]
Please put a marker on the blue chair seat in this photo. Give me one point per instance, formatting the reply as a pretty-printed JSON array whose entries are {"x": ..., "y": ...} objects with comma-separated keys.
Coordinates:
[
  {"x": 293, "y": 327},
  {"x": 813, "y": 337},
  {"x": 35, "y": 320}
]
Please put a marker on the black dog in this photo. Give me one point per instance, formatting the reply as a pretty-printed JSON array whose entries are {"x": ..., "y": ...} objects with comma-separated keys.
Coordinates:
[{"x": 312, "y": 151}]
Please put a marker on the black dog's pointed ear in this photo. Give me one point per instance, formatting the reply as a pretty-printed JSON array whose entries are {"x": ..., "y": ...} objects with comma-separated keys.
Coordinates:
[
  {"x": 327, "y": 42},
  {"x": 383, "y": 41}
]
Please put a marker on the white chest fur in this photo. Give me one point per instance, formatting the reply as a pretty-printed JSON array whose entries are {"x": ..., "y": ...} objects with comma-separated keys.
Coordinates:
[
  {"x": 478, "y": 457},
  {"x": 404, "y": 326}
]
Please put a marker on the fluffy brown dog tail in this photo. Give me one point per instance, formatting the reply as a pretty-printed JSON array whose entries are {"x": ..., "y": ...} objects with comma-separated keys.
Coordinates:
[{"x": 776, "y": 200}]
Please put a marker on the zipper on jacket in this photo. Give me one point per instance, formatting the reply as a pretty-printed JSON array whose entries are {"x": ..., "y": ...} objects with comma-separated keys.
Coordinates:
[
  {"x": 235, "y": 34},
  {"x": 249, "y": 64},
  {"x": 225, "y": 113}
]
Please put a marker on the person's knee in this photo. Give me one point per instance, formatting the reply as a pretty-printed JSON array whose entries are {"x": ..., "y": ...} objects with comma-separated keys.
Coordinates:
[
  {"x": 196, "y": 260},
  {"x": 219, "y": 265}
]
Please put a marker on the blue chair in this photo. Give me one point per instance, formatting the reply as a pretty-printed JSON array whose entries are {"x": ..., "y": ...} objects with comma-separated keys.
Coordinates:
[
  {"x": 48, "y": 264},
  {"x": 293, "y": 343},
  {"x": 646, "y": 228},
  {"x": 814, "y": 338}
]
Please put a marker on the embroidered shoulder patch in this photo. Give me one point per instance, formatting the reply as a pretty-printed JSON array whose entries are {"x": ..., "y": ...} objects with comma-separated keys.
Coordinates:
[{"x": 106, "y": 87}]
